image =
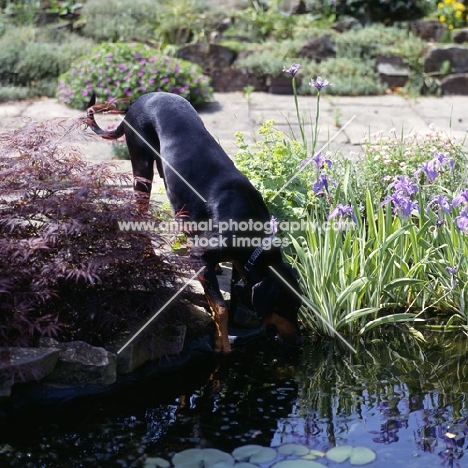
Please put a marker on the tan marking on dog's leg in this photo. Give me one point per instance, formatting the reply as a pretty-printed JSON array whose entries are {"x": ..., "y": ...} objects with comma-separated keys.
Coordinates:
[{"x": 220, "y": 317}]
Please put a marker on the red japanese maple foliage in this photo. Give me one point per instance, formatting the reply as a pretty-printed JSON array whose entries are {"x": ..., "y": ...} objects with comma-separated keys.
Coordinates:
[{"x": 66, "y": 270}]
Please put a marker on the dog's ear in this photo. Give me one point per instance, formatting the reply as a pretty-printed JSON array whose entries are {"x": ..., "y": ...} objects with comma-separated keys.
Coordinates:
[{"x": 92, "y": 101}]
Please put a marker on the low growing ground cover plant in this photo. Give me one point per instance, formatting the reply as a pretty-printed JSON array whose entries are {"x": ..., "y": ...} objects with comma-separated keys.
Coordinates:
[
  {"x": 117, "y": 71},
  {"x": 387, "y": 249},
  {"x": 31, "y": 60}
]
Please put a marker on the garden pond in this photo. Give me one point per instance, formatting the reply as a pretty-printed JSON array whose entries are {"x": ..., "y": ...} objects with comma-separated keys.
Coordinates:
[{"x": 404, "y": 399}]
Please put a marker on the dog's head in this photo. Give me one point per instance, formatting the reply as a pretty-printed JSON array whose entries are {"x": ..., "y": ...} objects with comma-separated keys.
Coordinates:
[{"x": 276, "y": 299}]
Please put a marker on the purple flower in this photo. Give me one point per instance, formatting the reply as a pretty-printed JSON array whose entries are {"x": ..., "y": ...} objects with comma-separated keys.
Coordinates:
[
  {"x": 462, "y": 221},
  {"x": 402, "y": 204},
  {"x": 441, "y": 201},
  {"x": 320, "y": 184},
  {"x": 441, "y": 160},
  {"x": 462, "y": 197},
  {"x": 429, "y": 170},
  {"x": 404, "y": 185},
  {"x": 452, "y": 270},
  {"x": 318, "y": 160},
  {"x": 293, "y": 69},
  {"x": 319, "y": 83},
  {"x": 273, "y": 226},
  {"x": 343, "y": 211}
]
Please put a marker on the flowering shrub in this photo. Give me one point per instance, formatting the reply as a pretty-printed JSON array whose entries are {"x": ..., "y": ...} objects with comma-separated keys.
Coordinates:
[
  {"x": 389, "y": 155},
  {"x": 452, "y": 13},
  {"x": 116, "y": 71}
]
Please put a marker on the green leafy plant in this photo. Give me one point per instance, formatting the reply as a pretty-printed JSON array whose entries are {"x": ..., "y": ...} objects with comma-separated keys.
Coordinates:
[
  {"x": 116, "y": 71},
  {"x": 31, "y": 61}
]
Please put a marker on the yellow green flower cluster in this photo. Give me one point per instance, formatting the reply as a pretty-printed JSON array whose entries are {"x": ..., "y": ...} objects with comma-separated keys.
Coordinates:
[{"x": 452, "y": 13}]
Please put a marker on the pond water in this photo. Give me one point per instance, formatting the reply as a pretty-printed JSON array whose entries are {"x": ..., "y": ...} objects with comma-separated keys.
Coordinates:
[{"x": 404, "y": 399}]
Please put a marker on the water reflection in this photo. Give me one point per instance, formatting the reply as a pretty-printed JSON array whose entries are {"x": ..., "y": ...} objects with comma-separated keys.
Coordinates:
[{"x": 404, "y": 399}]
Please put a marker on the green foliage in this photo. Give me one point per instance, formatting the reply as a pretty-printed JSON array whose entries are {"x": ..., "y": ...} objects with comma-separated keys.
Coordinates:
[
  {"x": 31, "y": 60},
  {"x": 350, "y": 77},
  {"x": 116, "y": 20},
  {"x": 259, "y": 24},
  {"x": 385, "y": 11},
  {"x": 279, "y": 157},
  {"x": 116, "y": 71},
  {"x": 268, "y": 58},
  {"x": 168, "y": 22}
]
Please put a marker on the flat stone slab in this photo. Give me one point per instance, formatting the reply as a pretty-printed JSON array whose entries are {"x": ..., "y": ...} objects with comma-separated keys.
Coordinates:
[
  {"x": 28, "y": 364},
  {"x": 79, "y": 363}
]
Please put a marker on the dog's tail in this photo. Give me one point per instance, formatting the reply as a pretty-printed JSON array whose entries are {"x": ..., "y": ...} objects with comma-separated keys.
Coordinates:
[{"x": 92, "y": 108}]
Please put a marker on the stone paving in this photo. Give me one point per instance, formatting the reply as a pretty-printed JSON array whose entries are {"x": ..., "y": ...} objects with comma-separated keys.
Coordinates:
[{"x": 230, "y": 112}]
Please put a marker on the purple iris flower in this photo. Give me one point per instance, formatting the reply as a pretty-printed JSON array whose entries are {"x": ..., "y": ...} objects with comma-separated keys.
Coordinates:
[
  {"x": 319, "y": 83},
  {"x": 441, "y": 201},
  {"x": 452, "y": 270},
  {"x": 462, "y": 220},
  {"x": 293, "y": 69},
  {"x": 462, "y": 197},
  {"x": 429, "y": 170},
  {"x": 402, "y": 204},
  {"x": 318, "y": 160},
  {"x": 404, "y": 185},
  {"x": 343, "y": 211},
  {"x": 273, "y": 226},
  {"x": 320, "y": 184},
  {"x": 442, "y": 160}
]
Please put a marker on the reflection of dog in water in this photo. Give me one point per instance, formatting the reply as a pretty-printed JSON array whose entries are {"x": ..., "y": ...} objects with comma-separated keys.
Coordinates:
[{"x": 202, "y": 182}]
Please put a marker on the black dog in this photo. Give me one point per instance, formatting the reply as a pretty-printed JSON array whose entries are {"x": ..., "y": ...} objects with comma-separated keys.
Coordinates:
[{"x": 202, "y": 182}]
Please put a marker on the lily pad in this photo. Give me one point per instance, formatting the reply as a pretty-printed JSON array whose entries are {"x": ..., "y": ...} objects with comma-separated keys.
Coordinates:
[
  {"x": 254, "y": 454},
  {"x": 206, "y": 458},
  {"x": 340, "y": 453},
  {"x": 297, "y": 463},
  {"x": 314, "y": 454},
  {"x": 362, "y": 456},
  {"x": 293, "y": 449},
  {"x": 357, "y": 455},
  {"x": 156, "y": 462}
]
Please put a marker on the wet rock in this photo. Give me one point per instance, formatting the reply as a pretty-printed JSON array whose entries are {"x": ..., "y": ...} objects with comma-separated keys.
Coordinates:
[
  {"x": 318, "y": 48},
  {"x": 428, "y": 30},
  {"x": 460, "y": 36},
  {"x": 79, "y": 363},
  {"x": 438, "y": 56},
  {"x": 150, "y": 347},
  {"x": 27, "y": 364},
  {"x": 208, "y": 56},
  {"x": 455, "y": 84},
  {"x": 393, "y": 71},
  {"x": 235, "y": 79}
]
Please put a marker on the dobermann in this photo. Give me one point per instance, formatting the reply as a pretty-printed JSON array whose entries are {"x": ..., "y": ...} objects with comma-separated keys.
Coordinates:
[{"x": 202, "y": 182}]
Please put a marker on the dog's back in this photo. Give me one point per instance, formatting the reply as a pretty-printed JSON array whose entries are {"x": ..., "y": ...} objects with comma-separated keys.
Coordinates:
[{"x": 200, "y": 177}]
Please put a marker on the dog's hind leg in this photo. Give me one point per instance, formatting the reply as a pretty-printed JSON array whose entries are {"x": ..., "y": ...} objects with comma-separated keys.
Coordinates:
[{"x": 218, "y": 307}]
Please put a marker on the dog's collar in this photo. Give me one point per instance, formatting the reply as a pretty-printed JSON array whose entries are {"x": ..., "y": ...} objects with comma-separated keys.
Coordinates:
[{"x": 250, "y": 262}]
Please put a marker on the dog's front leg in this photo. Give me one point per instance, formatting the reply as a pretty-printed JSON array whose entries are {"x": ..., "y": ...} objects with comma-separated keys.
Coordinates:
[{"x": 219, "y": 309}]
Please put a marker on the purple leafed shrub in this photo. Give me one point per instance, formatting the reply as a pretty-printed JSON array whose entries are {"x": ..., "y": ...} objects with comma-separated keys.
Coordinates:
[{"x": 66, "y": 270}]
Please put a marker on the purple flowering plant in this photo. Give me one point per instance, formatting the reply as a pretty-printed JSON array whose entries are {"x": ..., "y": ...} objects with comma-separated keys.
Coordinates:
[
  {"x": 116, "y": 71},
  {"x": 404, "y": 245}
]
